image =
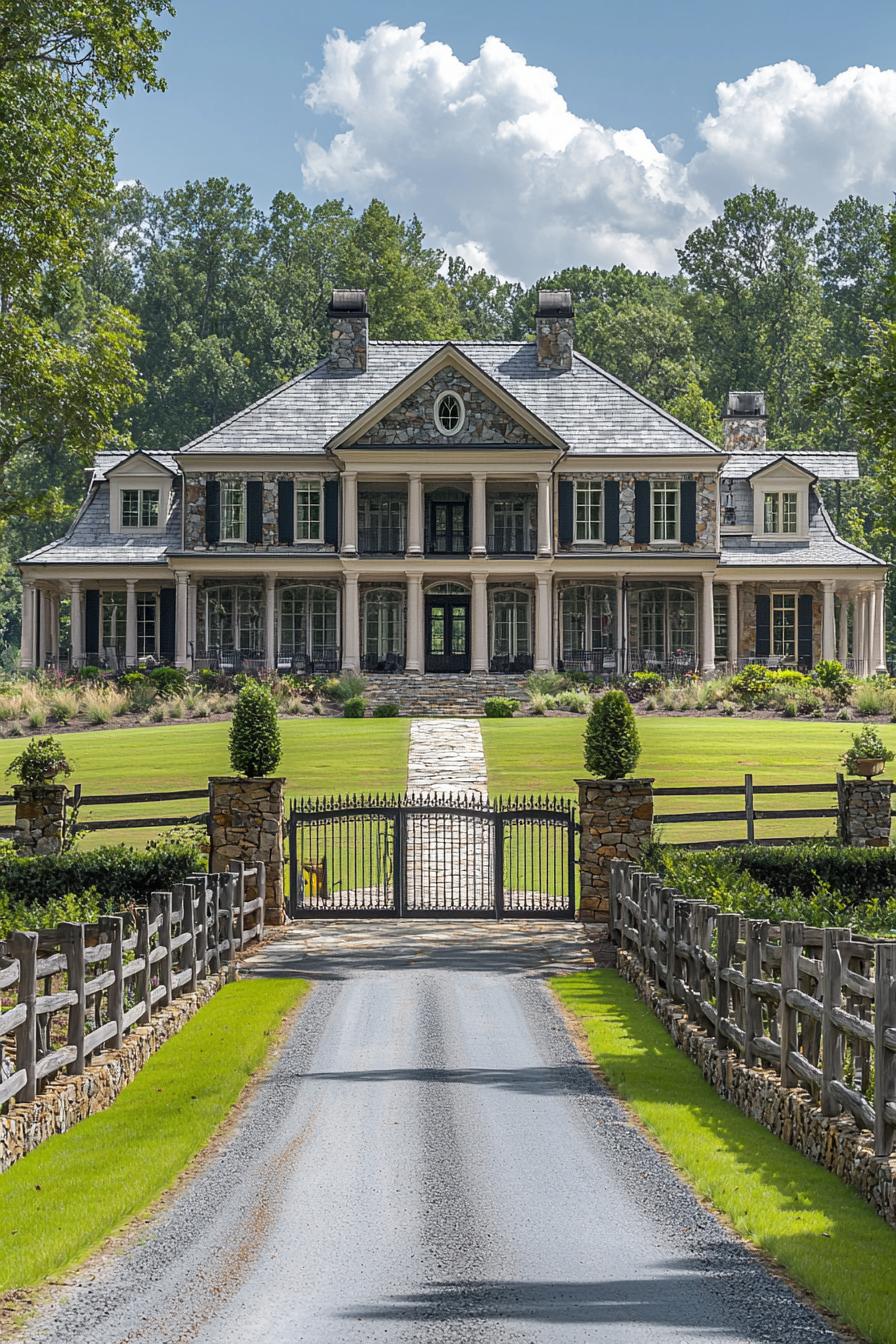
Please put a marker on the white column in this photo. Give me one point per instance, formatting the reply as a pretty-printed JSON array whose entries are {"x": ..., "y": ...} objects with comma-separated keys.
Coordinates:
[
  {"x": 270, "y": 627},
  {"x": 709, "y": 628},
  {"x": 413, "y": 655},
  {"x": 54, "y": 625},
  {"x": 130, "y": 624},
  {"x": 733, "y": 626},
  {"x": 182, "y": 578},
  {"x": 859, "y": 652},
  {"x": 871, "y": 625},
  {"x": 843, "y": 628},
  {"x": 545, "y": 542},
  {"x": 479, "y": 617},
  {"x": 76, "y": 625},
  {"x": 620, "y": 625},
  {"x": 478, "y": 532},
  {"x": 827, "y": 619},
  {"x": 27, "y": 652},
  {"x": 543, "y": 661},
  {"x": 46, "y": 627},
  {"x": 192, "y": 602},
  {"x": 415, "y": 514},
  {"x": 351, "y": 635},
  {"x": 881, "y": 633},
  {"x": 349, "y": 513}
]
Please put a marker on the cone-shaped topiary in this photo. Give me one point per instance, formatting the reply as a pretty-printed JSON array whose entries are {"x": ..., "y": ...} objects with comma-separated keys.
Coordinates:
[
  {"x": 612, "y": 746},
  {"x": 255, "y": 732}
]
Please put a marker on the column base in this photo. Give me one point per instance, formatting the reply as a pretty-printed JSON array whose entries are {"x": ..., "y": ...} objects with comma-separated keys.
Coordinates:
[
  {"x": 414, "y": 550},
  {"x": 479, "y": 551}
]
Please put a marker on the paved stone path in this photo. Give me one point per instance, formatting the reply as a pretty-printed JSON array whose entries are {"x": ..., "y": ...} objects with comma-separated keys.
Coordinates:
[{"x": 449, "y": 858}]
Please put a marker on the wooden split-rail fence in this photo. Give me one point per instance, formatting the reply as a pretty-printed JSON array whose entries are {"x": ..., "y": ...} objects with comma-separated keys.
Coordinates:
[
  {"x": 818, "y": 1005},
  {"x": 80, "y": 988}
]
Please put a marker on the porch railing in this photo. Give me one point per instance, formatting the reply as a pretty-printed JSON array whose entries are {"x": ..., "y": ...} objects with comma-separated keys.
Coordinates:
[
  {"x": 521, "y": 541},
  {"x": 393, "y": 661},
  {"x": 381, "y": 540}
]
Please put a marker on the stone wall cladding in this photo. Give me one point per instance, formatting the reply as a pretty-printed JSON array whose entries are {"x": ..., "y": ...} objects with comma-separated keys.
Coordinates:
[
  {"x": 67, "y": 1100},
  {"x": 194, "y": 510},
  {"x": 745, "y": 434},
  {"x": 616, "y": 816},
  {"x": 40, "y": 818},
  {"x": 246, "y": 822},
  {"x": 746, "y": 610},
  {"x": 412, "y": 422},
  {"x": 865, "y": 819},
  {"x": 707, "y": 501},
  {"x": 554, "y": 340},
  {"x": 348, "y": 343},
  {"x": 461, "y": 696},
  {"x": 789, "y": 1113}
]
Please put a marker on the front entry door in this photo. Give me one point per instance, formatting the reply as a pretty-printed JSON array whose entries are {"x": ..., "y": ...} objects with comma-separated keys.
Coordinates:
[
  {"x": 448, "y": 528},
  {"x": 448, "y": 634}
]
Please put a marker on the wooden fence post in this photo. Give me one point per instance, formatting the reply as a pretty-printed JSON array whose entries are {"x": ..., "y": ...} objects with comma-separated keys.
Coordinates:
[
  {"x": 189, "y": 926},
  {"x": 667, "y": 897},
  {"x": 695, "y": 909},
  {"x": 202, "y": 886},
  {"x": 261, "y": 891},
  {"x": 679, "y": 936},
  {"x": 112, "y": 930},
  {"x": 144, "y": 978},
  {"x": 238, "y": 868},
  {"x": 23, "y": 946},
  {"x": 884, "y": 1056},
  {"x": 729, "y": 928},
  {"x": 831, "y": 1035},
  {"x": 757, "y": 931},
  {"x": 165, "y": 903},
  {"x": 791, "y": 946},
  {"x": 749, "y": 809},
  {"x": 72, "y": 938}
]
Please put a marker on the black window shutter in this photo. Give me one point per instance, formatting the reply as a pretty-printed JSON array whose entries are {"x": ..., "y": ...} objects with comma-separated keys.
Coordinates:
[
  {"x": 213, "y": 512},
  {"x": 166, "y": 621},
  {"x": 254, "y": 534},
  {"x": 611, "y": 513},
  {"x": 286, "y": 512},
  {"x": 565, "y": 506},
  {"x": 331, "y": 513},
  {"x": 92, "y": 623},
  {"x": 642, "y": 511},
  {"x": 688, "y": 498},
  {"x": 763, "y": 625},
  {"x": 804, "y": 629}
]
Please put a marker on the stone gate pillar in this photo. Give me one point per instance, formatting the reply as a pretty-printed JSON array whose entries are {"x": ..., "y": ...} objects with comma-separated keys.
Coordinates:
[
  {"x": 40, "y": 818},
  {"x": 246, "y": 822},
  {"x": 864, "y": 812},
  {"x": 616, "y": 817}
]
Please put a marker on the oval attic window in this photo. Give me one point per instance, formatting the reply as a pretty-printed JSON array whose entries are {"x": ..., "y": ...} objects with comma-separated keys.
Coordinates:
[{"x": 449, "y": 413}]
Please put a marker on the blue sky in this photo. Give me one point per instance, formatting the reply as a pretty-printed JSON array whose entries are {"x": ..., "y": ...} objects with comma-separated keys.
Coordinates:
[{"x": 239, "y": 78}]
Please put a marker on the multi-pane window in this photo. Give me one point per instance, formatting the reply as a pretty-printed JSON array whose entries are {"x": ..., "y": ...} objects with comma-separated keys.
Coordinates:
[
  {"x": 784, "y": 625},
  {"x": 779, "y": 512},
  {"x": 146, "y": 625},
  {"x": 720, "y": 625},
  {"x": 113, "y": 621},
  {"x": 511, "y": 623},
  {"x": 664, "y": 509},
  {"x": 233, "y": 618},
  {"x": 383, "y": 623},
  {"x": 233, "y": 511},
  {"x": 666, "y": 623},
  {"x": 589, "y": 497},
  {"x": 308, "y": 619},
  {"x": 139, "y": 508},
  {"x": 513, "y": 525},
  {"x": 381, "y": 523},
  {"x": 309, "y": 511},
  {"x": 588, "y": 620}
]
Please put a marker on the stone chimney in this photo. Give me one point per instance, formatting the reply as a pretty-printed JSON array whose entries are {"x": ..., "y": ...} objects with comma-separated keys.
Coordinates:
[
  {"x": 743, "y": 423},
  {"x": 554, "y": 329},
  {"x": 348, "y": 330}
]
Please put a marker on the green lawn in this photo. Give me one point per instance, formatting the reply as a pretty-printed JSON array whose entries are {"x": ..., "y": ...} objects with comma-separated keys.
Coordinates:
[
  {"x": 545, "y": 756},
  {"x": 320, "y": 756},
  {"x": 823, "y": 1234},
  {"x": 62, "y": 1200}
]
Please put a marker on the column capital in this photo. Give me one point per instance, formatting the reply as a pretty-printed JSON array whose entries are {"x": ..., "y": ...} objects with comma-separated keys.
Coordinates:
[
  {"x": 415, "y": 475},
  {"x": 479, "y": 575},
  {"x": 351, "y": 578},
  {"x": 270, "y": 580},
  {"x": 828, "y": 585},
  {"x": 131, "y": 584},
  {"x": 478, "y": 475},
  {"x": 182, "y": 577},
  {"x": 74, "y": 584},
  {"x": 349, "y": 473},
  {"x": 545, "y": 475},
  {"x": 543, "y": 580}
]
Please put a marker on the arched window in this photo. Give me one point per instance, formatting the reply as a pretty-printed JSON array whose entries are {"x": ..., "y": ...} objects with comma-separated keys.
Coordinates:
[
  {"x": 308, "y": 616},
  {"x": 667, "y": 622},
  {"x": 383, "y": 616},
  {"x": 447, "y": 589},
  {"x": 234, "y": 618},
  {"x": 588, "y": 620},
  {"x": 511, "y": 623},
  {"x": 449, "y": 413}
]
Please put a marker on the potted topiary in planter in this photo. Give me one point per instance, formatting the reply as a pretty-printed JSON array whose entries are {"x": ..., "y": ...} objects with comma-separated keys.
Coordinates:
[
  {"x": 42, "y": 761},
  {"x": 868, "y": 754},
  {"x": 40, "y": 800}
]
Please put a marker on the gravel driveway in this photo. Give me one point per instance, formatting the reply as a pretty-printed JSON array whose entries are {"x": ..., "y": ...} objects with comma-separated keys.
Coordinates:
[{"x": 429, "y": 1160}]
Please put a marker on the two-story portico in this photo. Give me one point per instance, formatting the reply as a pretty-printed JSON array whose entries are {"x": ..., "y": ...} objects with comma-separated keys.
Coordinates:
[{"x": 440, "y": 507}]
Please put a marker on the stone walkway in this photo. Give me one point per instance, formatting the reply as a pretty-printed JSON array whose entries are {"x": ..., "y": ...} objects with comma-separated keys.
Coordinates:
[
  {"x": 449, "y": 859},
  {"x": 446, "y": 756}
]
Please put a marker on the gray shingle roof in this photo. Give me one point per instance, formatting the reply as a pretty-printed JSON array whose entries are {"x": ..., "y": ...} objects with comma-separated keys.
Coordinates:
[
  {"x": 105, "y": 461},
  {"x": 826, "y": 466},
  {"x": 591, "y": 411},
  {"x": 824, "y": 547},
  {"x": 89, "y": 541}
]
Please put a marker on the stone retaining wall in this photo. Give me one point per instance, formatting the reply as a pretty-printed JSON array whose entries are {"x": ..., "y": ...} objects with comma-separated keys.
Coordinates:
[
  {"x": 460, "y": 696},
  {"x": 67, "y": 1100},
  {"x": 790, "y": 1114},
  {"x": 865, "y": 819},
  {"x": 40, "y": 818}
]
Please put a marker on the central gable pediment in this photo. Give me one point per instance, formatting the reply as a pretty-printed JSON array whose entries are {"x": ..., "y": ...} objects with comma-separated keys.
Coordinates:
[{"x": 405, "y": 417}]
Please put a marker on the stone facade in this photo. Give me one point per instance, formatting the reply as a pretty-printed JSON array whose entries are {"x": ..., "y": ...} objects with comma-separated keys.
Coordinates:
[
  {"x": 554, "y": 339},
  {"x": 707, "y": 507},
  {"x": 194, "y": 509},
  {"x": 865, "y": 806},
  {"x": 745, "y": 434},
  {"x": 66, "y": 1100},
  {"x": 791, "y": 1114},
  {"x": 460, "y": 697},
  {"x": 40, "y": 818},
  {"x": 412, "y": 422},
  {"x": 246, "y": 822},
  {"x": 348, "y": 342},
  {"x": 746, "y": 610},
  {"x": 616, "y": 817}
]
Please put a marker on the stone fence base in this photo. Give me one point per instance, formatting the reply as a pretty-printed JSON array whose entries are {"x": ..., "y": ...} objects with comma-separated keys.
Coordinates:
[
  {"x": 616, "y": 816},
  {"x": 789, "y": 1113},
  {"x": 40, "y": 818},
  {"x": 864, "y": 812},
  {"x": 246, "y": 823}
]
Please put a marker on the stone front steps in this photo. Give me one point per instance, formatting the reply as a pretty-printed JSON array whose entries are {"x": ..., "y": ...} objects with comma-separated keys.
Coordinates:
[{"x": 436, "y": 695}]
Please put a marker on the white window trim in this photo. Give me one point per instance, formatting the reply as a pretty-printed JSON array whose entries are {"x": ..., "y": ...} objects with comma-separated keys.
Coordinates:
[
  {"x": 139, "y": 491},
  {"x": 777, "y": 480},
  {"x": 780, "y": 534},
  {"x": 662, "y": 541},
  {"x": 140, "y": 482},
  {"x": 317, "y": 482},
  {"x": 587, "y": 541},
  {"x": 784, "y": 592},
  {"x": 241, "y": 539},
  {"x": 449, "y": 433}
]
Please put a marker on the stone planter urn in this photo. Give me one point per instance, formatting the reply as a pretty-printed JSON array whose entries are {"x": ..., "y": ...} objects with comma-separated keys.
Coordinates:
[
  {"x": 868, "y": 766},
  {"x": 616, "y": 817},
  {"x": 246, "y": 822}
]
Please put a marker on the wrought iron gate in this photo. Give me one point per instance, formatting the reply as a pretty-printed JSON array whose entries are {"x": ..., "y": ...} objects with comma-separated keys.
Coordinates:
[{"x": 449, "y": 856}]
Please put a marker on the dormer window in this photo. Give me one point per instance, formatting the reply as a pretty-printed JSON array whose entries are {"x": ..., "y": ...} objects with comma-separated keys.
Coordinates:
[
  {"x": 780, "y": 513},
  {"x": 449, "y": 413},
  {"x": 139, "y": 509}
]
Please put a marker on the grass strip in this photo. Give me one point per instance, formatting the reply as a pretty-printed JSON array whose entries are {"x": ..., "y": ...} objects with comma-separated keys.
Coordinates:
[
  {"x": 822, "y": 1233},
  {"x": 78, "y": 1188}
]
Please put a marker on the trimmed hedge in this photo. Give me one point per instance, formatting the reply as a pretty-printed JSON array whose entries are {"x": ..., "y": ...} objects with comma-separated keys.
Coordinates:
[
  {"x": 117, "y": 872},
  {"x": 861, "y": 876}
]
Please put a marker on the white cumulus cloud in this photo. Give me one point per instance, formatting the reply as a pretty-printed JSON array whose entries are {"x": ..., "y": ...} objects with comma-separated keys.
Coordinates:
[{"x": 501, "y": 170}]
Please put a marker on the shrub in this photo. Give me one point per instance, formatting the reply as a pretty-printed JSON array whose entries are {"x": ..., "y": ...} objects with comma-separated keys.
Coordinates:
[
  {"x": 131, "y": 679},
  {"x": 353, "y": 707},
  {"x": 750, "y": 687},
  {"x": 539, "y": 703},
  {"x": 648, "y": 681},
  {"x": 141, "y": 695},
  {"x": 502, "y": 707},
  {"x": 88, "y": 673},
  {"x": 168, "y": 681},
  {"x": 866, "y": 745},
  {"x": 121, "y": 875},
  {"x": 868, "y": 699},
  {"x": 727, "y": 707},
  {"x": 255, "y": 732},
  {"x": 577, "y": 702},
  {"x": 350, "y": 686},
  {"x": 830, "y": 674},
  {"x": 207, "y": 678},
  {"x": 546, "y": 683},
  {"x": 387, "y": 711},
  {"x": 612, "y": 746},
  {"x": 40, "y": 763}
]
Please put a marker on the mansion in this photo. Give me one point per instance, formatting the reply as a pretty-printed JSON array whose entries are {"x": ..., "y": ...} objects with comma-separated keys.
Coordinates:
[{"x": 461, "y": 507}]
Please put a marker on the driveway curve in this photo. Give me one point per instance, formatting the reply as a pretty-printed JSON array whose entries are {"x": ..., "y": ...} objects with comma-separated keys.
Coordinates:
[{"x": 429, "y": 1160}]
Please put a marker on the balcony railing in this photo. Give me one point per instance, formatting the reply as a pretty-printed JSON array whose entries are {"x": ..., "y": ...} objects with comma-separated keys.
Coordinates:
[
  {"x": 451, "y": 543},
  {"x": 518, "y": 541},
  {"x": 383, "y": 540},
  {"x": 511, "y": 662},
  {"x": 393, "y": 661}
]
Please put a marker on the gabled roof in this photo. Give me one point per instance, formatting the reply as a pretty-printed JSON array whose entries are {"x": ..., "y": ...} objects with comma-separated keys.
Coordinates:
[
  {"x": 823, "y": 547},
  {"x": 90, "y": 541},
  {"x": 788, "y": 461},
  {"x": 587, "y": 409},
  {"x": 155, "y": 459},
  {"x": 823, "y": 466}
]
